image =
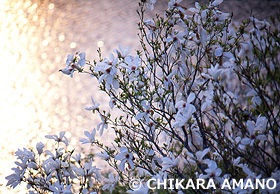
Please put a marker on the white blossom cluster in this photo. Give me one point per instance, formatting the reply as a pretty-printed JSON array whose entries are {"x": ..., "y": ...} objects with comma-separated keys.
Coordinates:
[{"x": 201, "y": 100}]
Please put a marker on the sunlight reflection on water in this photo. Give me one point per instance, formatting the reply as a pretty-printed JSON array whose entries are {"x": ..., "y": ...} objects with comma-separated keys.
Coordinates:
[
  {"x": 36, "y": 99},
  {"x": 35, "y": 37}
]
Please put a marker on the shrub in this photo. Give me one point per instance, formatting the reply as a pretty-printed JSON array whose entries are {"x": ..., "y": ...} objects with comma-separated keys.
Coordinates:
[{"x": 200, "y": 101}]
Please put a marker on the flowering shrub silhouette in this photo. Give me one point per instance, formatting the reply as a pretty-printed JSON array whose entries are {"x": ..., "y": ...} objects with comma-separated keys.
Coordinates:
[{"x": 201, "y": 100}]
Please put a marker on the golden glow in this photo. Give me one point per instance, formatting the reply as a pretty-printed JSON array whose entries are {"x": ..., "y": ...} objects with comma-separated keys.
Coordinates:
[
  {"x": 51, "y": 6},
  {"x": 73, "y": 45},
  {"x": 36, "y": 99},
  {"x": 100, "y": 43},
  {"x": 61, "y": 37}
]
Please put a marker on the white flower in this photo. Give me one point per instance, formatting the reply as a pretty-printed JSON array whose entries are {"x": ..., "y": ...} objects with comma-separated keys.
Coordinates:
[
  {"x": 77, "y": 157},
  {"x": 58, "y": 188},
  {"x": 25, "y": 154},
  {"x": 176, "y": 38},
  {"x": 175, "y": 4},
  {"x": 61, "y": 137},
  {"x": 160, "y": 177},
  {"x": 261, "y": 124},
  {"x": 208, "y": 101},
  {"x": 85, "y": 191},
  {"x": 216, "y": 3},
  {"x": 213, "y": 171},
  {"x": 125, "y": 156},
  {"x": 39, "y": 147},
  {"x": 68, "y": 70},
  {"x": 109, "y": 70},
  {"x": 91, "y": 137},
  {"x": 33, "y": 165},
  {"x": 112, "y": 102},
  {"x": 169, "y": 162},
  {"x": 94, "y": 106},
  {"x": 75, "y": 62},
  {"x": 111, "y": 182},
  {"x": 256, "y": 100},
  {"x": 180, "y": 120},
  {"x": 103, "y": 125},
  {"x": 13, "y": 180},
  {"x": 132, "y": 66},
  {"x": 250, "y": 174},
  {"x": 203, "y": 35},
  {"x": 218, "y": 51},
  {"x": 246, "y": 50},
  {"x": 103, "y": 155},
  {"x": 146, "y": 113},
  {"x": 236, "y": 161},
  {"x": 254, "y": 130},
  {"x": 150, "y": 24},
  {"x": 186, "y": 106},
  {"x": 89, "y": 171},
  {"x": 77, "y": 59},
  {"x": 123, "y": 53},
  {"x": 149, "y": 4},
  {"x": 185, "y": 111},
  {"x": 198, "y": 157},
  {"x": 215, "y": 72}
]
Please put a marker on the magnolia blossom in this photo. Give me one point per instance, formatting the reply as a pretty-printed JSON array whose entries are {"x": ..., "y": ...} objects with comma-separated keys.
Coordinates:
[
  {"x": 185, "y": 107},
  {"x": 94, "y": 106},
  {"x": 215, "y": 72},
  {"x": 216, "y": 2},
  {"x": 25, "y": 154},
  {"x": 256, "y": 100},
  {"x": 103, "y": 125},
  {"x": 254, "y": 129},
  {"x": 109, "y": 72},
  {"x": 75, "y": 62},
  {"x": 149, "y": 4},
  {"x": 185, "y": 111},
  {"x": 202, "y": 35},
  {"x": 58, "y": 188},
  {"x": 91, "y": 137},
  {"x": 89, "y": 171},
  {"x": 198, "y": 157},
  {"x": 132, "y": 66},
  {"x": 169, "y": 162},
  {"x": 123, "y": 53},
  {"x": 212, "y": 171},
  {"x": 112, "y": 102},
  {"x": 251, "y": 176},
  {"x": 103, "y": 155},
  {"x": 176, "y": 4},
  {"x": 146, "y": 113},
  {"x": 14, "y": 179},
  {"x": 110, "y": 182},
  {"x": 39, "y": 147},
  {"x": 124, "y": 156},
  {"x": 176, "y": 38},
  {"x": 150, "y": 24},
  {"x": 61, "y": 138},
  {"x": 160, "y": 177},
  {"x": 218, "y": 51},
  {"x": 85, "y": 191},
  {"x": 208, "y": 101},
  {"x": 196, "y": 9},
  {"x": 77, "y": 157}
]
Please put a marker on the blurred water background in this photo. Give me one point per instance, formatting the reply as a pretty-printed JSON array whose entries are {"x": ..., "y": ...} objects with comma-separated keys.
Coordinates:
[{"x": 35, "y": 38}]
